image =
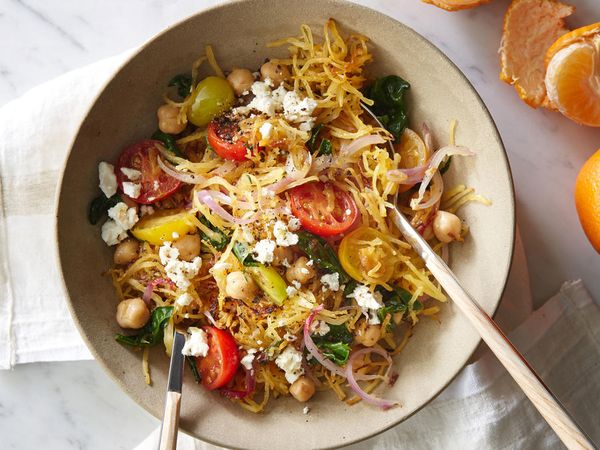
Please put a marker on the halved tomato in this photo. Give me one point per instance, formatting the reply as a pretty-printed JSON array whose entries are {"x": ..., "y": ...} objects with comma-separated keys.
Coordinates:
[
  {"x": 323, "y": 208},
  {"x": 224, "y": 138},
  {"x": 221, "y": 362},
  {"x": 154, "y": 183}
]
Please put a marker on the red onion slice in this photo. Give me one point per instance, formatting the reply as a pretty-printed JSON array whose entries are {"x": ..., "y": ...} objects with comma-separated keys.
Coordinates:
[
  {"x": 147, "y": 297},
  {"x": 368, "y": 398},
  {"x": 224, "y": 169},
  {"x": 410, "y": 176},
  {"x": 348, "y": 151},
  {"x": 226, "y": 200},
  {"x": 435, "y": 193},
  {"x": 207, "y": 199},
  {"x": 185, "y": 177},
  {"x": 314, "y": 350},
  {"x": 250, "y": 385},
  {"x": 294, "y": 175}
]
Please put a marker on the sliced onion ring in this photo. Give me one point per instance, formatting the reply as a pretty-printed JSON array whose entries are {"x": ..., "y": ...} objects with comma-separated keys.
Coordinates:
[
  {"x": 185, "y": 177},
  {"x": 348, "y": 151},
  {"x": 250, "y": 385},
  {"x": 368, "y": 398},
  {"x": 206, "y": 198},
  {"x": 314, "y": 350},
  {"x": 410, "y": 176}
]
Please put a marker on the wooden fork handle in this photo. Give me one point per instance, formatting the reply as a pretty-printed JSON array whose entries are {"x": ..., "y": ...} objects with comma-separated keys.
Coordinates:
[
  {"x": 170, "y": 425},
  {"x": 516, "y": 365}
]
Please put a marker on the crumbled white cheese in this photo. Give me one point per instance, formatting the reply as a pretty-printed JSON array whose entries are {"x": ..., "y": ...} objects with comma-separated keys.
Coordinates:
[
  {"x": 247, "y": 360},
  {"x": 289, "y": 337},
  {"x": 132, "y": 190},
  {"x": 108, "y": 179},
  {"x": 290, "y": 361},
  {"x": 299, "y": 110},
  {"x": 310, "y": 263},
  {"x": 131, "y": 174},
  {"x": 283, "y": 236},
  {"x": 304, "y": 270},
  {"x": 196, "y": 343},
  {"x": 184, "y": 299},
  {"x": 306, "y": 410},
  {"x": 331, "y": 281},
  {"x": 124, "y": 216},
  {"x": 247, "y": 234},
  {"x": 146, "y": 210},
  {"x": 285, "y": 263},
  {"x": 175, "y": 235},
  {"x": 291, "y": 291},
  {"x": 296, "y": 284},
  {"x": 265, "y": 130},
  {"x": 369, "y": 302},
  {"x": 293, "y": 224},
  {"x": 112, "y": 233},
  {"x": 263, "y": 251},
  {"x": 180, "y": 272},
  {"x": 220, "y": 265},
  {"x": 319, "y": 327}
]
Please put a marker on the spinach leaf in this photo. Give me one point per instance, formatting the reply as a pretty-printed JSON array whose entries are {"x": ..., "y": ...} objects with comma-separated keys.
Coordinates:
[
  {"x": 169, "y": 142},
  {"x": 194, "y": 368},
  {"x": 335, "y": 345},
  {"x": 152, "y": 333},
  {"x": 317, "y": 249},
  {"x": 244, "y": 254},
  {"x": 183, "y": 83},
  {"x": 312, "y": 142},
  {"x": 100, "y": 205},
  {"x": 326, "y": 148},
  {"x": 395, "y": 301},
  {"x": 217, "y": 238},
  {"x": 445, "y": 165},
  {"x": 389, "y": 107}
]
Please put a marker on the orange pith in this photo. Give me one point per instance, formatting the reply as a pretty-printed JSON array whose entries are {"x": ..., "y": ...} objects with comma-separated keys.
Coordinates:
[{"x": 587, "y": 199}]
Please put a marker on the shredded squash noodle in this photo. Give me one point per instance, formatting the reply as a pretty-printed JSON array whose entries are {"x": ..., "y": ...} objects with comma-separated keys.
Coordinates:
[{"x": 260, "y": 226}]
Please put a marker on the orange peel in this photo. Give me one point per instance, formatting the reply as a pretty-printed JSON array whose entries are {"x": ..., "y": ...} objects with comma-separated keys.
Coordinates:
[
  {"x": 530, "y": 28},
  {"x": 456, "y": 5}
]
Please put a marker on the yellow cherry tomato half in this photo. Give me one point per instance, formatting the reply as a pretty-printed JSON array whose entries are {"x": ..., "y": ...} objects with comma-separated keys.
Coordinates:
[
  {"x": 365, "y": 254},
  {"x": 164, "y": 225}
]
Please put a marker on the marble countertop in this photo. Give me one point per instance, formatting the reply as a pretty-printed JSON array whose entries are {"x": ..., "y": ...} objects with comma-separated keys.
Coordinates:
[{"x": 75, "y": 405}]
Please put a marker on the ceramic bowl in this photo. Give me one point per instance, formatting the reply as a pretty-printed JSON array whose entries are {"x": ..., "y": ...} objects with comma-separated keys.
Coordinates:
[{"x": 125, "y": 111}]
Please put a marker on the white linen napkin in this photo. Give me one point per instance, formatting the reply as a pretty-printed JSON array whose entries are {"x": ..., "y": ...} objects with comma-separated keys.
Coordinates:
[{"x": 481, "y": 406}]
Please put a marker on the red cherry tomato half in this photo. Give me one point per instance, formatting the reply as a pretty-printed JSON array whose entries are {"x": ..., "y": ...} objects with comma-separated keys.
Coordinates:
[
  {"x": 224, "y": 138},
  {"x": 323, "y": 208},
  {"x": 221, "y": 362},
  {"x": 155, "y": 184}
]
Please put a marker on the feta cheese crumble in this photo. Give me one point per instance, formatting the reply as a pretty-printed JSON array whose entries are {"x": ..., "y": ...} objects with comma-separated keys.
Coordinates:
[
  {"x": 121, "y": 219},
  {"x": 298, "y": 110},
  {"x": 247, "y": 360},
  {"x": 108, "y": 179},
  {"x": 112, "y": 233},
  {"x": 195, "y": 343},
  {"x": 293, "y": 224},
  {"x": 132, "y": 190},
  {"x": 291, "y": 291},
  {"x": 265, "y": 130},
  {"x": 283, "y": 236},
  {"x": 290, "y": 361},
  {"x": 184, "y": 299},
  {"x": 263, "y": 251},
  {"x": 306, "y": 410},
  {"x": 369, "y": 302},
  {"x": 131, "y": 174},
  {"x": 180, "y": 272},
  {"x": 319, "y": 327},
  {"x": 331, "y": 281}
]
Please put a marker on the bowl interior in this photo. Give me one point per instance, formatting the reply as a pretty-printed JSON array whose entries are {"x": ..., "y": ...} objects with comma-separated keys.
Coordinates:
[{"x": 125, "y": 112}]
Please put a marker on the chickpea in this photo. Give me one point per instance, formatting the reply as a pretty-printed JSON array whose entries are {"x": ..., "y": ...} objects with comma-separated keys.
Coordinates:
[
  {"x": 188, "y": 246},
  {"x": 281, "y": 254},
  {"x": 446, "y": 226},
  {"x": 240, "y": 286},
  {"x": 132, "y": 313},
  {"x": 277, "y": 73},
  {"x": 168, "y": 119},
  {"x": 302, "y": 389},
  {"x": 126, "y": 251},
  {"x": 370, "y": 336},
  {"x": 300, "y": 271},
  {"x": 241, "y": 80}
]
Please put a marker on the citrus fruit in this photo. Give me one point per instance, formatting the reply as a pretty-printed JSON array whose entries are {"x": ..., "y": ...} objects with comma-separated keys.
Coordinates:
[
  {"x": 530, "y": 28},
  {"x": 456, "y": 5},
  {"x": 587, "y": 199},
  {"x": 573, "y": 75}
]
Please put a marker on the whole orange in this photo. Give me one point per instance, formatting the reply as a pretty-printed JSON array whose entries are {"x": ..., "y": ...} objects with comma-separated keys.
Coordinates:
[{"x": 587, "y": 199}]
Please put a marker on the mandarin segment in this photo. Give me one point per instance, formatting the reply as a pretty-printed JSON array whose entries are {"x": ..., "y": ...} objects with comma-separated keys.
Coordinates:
[
  {"x": 587, "y": 199},
  {"x": 530, "y": 28},
  {"x": 455, "y": 5}
]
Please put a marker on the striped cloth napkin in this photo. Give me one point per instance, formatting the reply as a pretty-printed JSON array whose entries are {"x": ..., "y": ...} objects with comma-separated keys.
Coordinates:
[{"x": 482, "y": 407}]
